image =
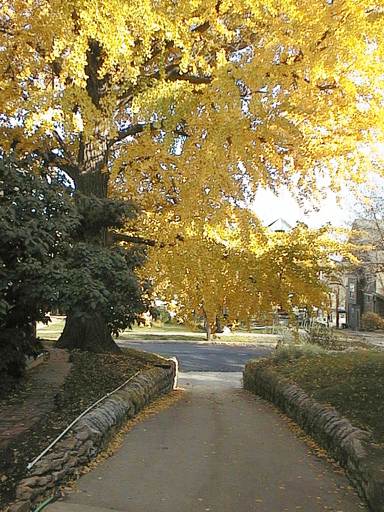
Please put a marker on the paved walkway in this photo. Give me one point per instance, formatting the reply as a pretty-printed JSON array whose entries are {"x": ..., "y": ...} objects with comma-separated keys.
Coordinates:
[
  {"x": 28, "y": 407},
  {"x": 219, "y": 449},
  {"x": 375, "y": 338}
]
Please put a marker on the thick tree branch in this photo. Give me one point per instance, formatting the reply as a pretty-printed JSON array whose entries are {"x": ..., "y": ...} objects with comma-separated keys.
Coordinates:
[
  {"x": 174, "y": 75},
  {"x": 96, "y": 87},
  {"x": 135, "y": 129},
  {"x": 327, "y": 86},
  {"x": 131, "y": 130},
  {"x": 64, "y": 148},
  {"x": 201, "y": 28},
  {"x": 51, "y": 158},
  {"x": 120, "y": 237}
]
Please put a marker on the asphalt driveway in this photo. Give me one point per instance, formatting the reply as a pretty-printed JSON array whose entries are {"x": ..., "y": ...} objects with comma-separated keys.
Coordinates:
[
  {"x": 218, "y": 449},
  {"x": 204, "y": 357}
]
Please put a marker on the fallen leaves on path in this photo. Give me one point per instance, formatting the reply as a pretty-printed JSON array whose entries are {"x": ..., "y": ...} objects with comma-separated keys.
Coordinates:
[{"x": 117, "y": 439}]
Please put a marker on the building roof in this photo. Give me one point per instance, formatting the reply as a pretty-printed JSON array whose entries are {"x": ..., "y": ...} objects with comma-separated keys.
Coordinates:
[{"x": 279, "y": 225}]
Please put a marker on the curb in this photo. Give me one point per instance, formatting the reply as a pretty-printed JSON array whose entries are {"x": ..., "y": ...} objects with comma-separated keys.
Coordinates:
[
  {"x": 352, "y": 447},
  {"x": 91, "y": 433},
  {"x": 32, "y": 362}
]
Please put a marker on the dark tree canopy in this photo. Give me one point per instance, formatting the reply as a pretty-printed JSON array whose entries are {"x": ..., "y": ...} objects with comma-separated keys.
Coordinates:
[
  {"x": 51, "y": 257},
  {"x": 37, "y": 219}
]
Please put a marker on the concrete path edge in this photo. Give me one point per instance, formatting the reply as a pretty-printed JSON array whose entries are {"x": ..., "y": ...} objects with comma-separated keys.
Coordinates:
[
  {"x": 90, "y": 435},
  {"x": 352, "y": 447}
]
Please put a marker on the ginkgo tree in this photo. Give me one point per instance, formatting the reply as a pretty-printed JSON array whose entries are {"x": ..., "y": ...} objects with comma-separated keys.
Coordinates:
[
  {"x": 194, "y": 102},
  {"x": 241, "y": 269}
]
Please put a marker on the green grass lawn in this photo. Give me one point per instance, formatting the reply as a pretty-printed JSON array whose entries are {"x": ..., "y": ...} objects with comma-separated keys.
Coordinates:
[
  {"x": 51, "y": 331},
  {"x": 164, "y": 332},
  {"x": 352, "y": 382}
]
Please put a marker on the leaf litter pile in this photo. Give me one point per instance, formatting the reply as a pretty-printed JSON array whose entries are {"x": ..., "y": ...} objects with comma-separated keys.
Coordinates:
[
  {"x": 352, "y": 382},
  {"x": 91, "y": 377}
]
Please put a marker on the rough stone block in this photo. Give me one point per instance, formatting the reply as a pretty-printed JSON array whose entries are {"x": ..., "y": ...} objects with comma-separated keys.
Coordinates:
[{"x": 24, "y": 493}]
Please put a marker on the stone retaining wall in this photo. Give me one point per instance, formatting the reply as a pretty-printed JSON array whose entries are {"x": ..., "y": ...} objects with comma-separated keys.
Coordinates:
[
  {"x": 353, "y": 448},
  {"x": 88, "y": 437},
  {"x": 32, "y": 362}
]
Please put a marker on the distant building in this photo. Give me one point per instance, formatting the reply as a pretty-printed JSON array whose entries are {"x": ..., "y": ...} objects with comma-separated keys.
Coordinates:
[
  {"x": 364, "y": 285},
  {"x": 279, "y": 226}
]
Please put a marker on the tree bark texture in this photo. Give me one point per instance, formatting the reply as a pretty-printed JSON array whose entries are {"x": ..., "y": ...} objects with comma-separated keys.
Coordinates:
[{"x": 87, "y": 333}]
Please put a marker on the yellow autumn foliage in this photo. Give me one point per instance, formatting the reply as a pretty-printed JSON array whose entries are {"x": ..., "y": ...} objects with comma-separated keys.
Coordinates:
[
  {"x": 244, "y": 270},
  {"x": 187, "y": 106},
  {"x": 284, "y": 86}
]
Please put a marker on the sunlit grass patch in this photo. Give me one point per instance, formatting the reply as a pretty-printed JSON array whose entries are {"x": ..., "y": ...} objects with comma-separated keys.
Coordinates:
[{"x": 164, "y": 332}]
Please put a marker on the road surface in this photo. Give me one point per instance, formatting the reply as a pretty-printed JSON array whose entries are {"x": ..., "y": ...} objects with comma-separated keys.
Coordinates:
[
  {"x": 200, "y": 357},
  {"x": 218, "y": 449}
]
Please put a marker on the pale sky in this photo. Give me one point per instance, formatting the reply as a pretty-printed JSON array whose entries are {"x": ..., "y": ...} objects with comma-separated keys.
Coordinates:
[{"x": 270, "y": 207}]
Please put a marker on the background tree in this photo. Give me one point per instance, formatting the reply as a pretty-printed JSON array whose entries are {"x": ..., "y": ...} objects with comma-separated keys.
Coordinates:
[
  {"x": 368, "y": 227},
  {"x": 365, "y": 283},
  {"x": 240, "y": 268},
  {"x": 202, "y": 100}
]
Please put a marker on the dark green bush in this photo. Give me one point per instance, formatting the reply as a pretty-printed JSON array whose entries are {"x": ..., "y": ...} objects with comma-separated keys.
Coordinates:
[{"x": 37, "y": 217}]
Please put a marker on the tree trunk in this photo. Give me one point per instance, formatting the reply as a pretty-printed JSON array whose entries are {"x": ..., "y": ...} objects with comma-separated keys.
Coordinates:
[
  {"x": 218, "y": 326},
  {"x": 337, "y": 309},
  {"x": 93, "y": 184},
  {"x": 207, "y": 325},
  {"x": 87, "y": 333},
  {"x": 90, "y": 332}
]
